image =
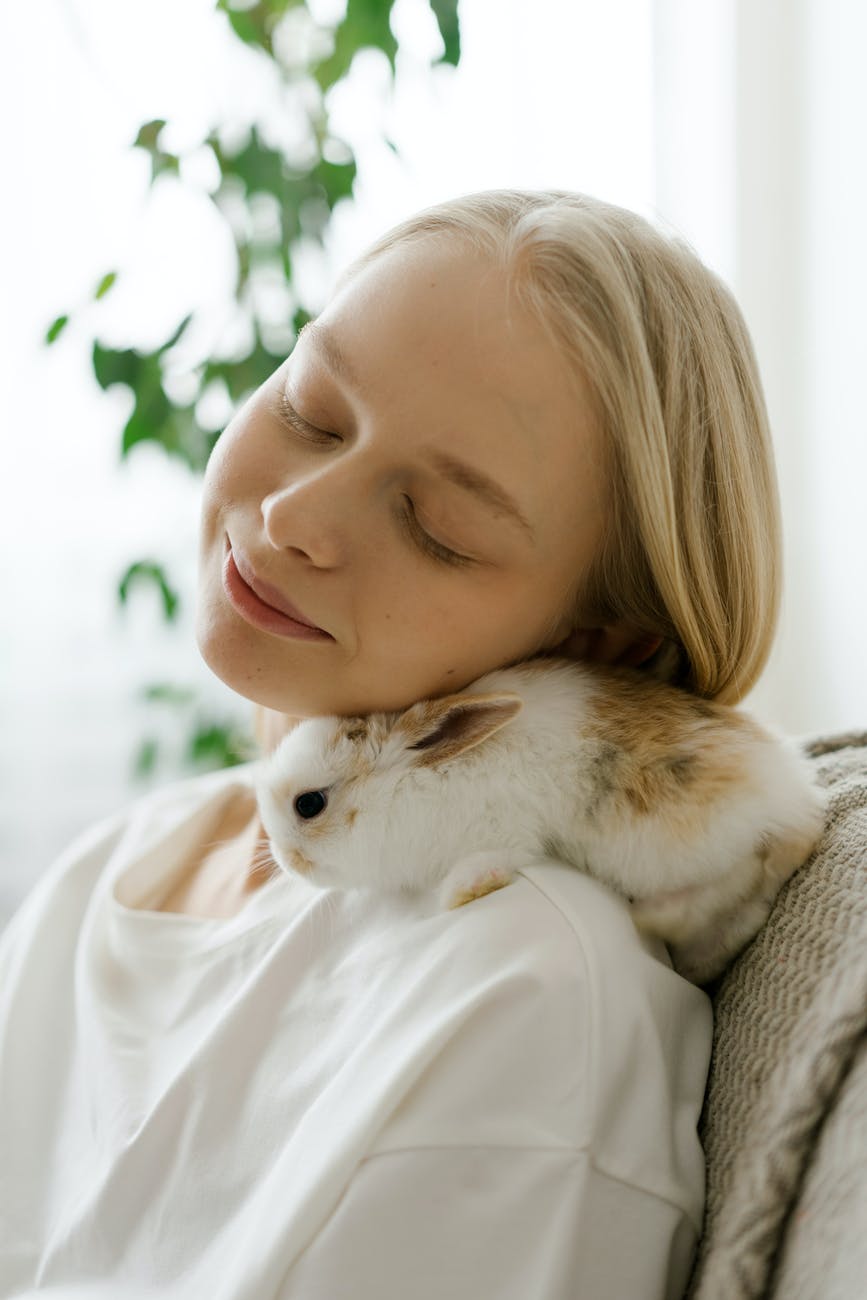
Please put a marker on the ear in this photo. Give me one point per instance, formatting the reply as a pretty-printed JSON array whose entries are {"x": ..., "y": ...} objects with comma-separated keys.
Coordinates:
[{"x": 447, "y": 727}]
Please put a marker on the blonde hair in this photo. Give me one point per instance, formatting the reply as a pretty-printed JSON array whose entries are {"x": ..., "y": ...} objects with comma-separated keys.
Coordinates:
[{"x": 692, "y": 550}]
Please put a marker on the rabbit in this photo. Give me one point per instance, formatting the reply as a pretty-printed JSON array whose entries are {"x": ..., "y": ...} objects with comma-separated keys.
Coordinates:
[{"x": 690, "y": 809}]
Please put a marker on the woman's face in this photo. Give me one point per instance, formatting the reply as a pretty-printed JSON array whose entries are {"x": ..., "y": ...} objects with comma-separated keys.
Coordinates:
[{"x": 436, "y": 363}]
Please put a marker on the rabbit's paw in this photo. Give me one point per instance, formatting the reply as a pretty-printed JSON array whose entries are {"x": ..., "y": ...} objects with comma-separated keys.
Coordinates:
[{"x": 474, "y": 876}]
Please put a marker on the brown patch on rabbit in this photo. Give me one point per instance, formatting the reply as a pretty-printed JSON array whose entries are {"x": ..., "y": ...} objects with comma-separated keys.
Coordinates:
[
  {"x": 641, "y": 709},
  {"x": 353, "y": 730},
  {"x": 365, "y": 737},
  {"x": 659, "y": 745},
  {"x": 300, "y": 863}
]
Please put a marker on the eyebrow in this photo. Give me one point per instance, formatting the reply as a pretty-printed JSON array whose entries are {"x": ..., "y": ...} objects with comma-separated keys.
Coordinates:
[
  {"x": 473, "y": 480},
  {"x": 334, "y": 356},
  {"x": 448, "y": 467}
]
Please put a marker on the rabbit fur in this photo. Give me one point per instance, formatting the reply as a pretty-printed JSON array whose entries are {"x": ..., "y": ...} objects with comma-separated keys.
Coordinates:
[{"x": 690, "y": 809}]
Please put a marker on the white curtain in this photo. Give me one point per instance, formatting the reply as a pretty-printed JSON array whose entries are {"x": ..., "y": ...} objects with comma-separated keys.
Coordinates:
[{"x": 759, "y": 108}]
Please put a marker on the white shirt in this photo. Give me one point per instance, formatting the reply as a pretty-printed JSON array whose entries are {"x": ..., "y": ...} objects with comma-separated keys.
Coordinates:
[{"x": 334, "y": 1095}]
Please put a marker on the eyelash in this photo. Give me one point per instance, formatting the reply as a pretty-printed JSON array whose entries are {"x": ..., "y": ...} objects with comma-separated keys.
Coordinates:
[{"x": 426, "y": 543}]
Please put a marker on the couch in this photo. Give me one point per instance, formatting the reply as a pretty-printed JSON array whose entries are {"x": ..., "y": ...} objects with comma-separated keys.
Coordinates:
[{"x": 784, "y": 1123}]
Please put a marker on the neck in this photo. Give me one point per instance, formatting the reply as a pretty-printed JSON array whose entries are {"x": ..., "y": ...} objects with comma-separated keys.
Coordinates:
[{"x": 270, "y": 727}]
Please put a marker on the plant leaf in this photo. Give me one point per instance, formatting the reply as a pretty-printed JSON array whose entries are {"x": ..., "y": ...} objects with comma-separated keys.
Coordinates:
[
  {"x": 366, "y": 24},
  {"x": 218, "y": 745},
  {"x": 154, "y": 417},
  {"x": 104, "y": 285},
  {"x": 253, "y": 24},
  {"x": 173, "y": 339},
  {"x": 113, "y": 366},
  {"x": 146, "y": 757},
  {"x": 56, "y": 328},
  {"x": 148, "y": 139},
  {"x": 337, "y": 179},
  {"x": 168, "y": 693},
  {"x": 148, "y": 571},
  {"x": 242, "y": 377},
  {"x": 259, "y": 167},
  {"x": 446, "y": 14}
]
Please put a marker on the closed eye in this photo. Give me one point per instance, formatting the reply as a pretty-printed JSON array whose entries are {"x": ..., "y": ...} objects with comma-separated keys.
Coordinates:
[
  {"x": 300, "y": 425},
  {"x": 422, "y": 539},
  {"x": 427, "y": 543}
]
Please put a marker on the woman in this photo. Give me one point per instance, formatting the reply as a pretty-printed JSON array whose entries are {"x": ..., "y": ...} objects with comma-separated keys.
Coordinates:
[{"x": 525, "y": 422}]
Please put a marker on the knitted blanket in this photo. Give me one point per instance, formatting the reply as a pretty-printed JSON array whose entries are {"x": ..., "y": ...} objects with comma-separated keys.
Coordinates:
[{"x": 784, "y": 1124}]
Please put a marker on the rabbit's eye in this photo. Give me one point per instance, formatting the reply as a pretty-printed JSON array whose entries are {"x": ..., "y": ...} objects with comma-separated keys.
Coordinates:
[{"x": 310, "y": 804}]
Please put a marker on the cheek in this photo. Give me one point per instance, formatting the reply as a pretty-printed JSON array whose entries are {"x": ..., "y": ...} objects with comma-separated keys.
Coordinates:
[
  {"x": 460, "y": 637},
  {"x": 418, "y": 613},
  {"x": 237, "y": 466},
  {"x": 220, "y": 471}
]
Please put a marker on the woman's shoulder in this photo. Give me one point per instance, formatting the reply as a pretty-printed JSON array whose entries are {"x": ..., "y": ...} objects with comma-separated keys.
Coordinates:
[
  {"x": 546, "y": 999},
  {"x": 635, "y": 1000},
  {"x": 649, "y": 1034},
  {"x": 567, "y": 926},
  {"x": 565, "y": 936}
]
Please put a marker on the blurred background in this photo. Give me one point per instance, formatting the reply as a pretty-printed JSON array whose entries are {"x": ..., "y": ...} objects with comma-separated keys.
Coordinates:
[{"x": 182, "y": 181}]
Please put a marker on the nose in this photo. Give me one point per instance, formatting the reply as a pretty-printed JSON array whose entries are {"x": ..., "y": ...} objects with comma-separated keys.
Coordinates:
[{"x": 315, "y": 513}]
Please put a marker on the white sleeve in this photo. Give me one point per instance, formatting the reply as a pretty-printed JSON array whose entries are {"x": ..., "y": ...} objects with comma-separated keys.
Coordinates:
[{"x": 494, "y": 1223}]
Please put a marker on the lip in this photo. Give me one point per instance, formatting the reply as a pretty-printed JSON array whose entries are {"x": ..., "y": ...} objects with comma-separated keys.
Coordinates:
[{"x": 263, "y": 605}]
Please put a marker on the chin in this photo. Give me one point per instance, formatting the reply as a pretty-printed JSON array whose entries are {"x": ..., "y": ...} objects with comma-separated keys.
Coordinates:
[
  {"x": 224, "y": 649},
  {"x": 228, "y": 654}
]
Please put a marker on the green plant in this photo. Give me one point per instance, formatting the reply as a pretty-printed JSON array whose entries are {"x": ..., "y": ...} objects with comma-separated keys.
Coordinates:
[{"x": 306, "y": 191}]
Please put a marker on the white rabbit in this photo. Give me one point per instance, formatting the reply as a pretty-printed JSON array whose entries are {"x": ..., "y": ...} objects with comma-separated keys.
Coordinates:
[{"x": 689, "y": 808}]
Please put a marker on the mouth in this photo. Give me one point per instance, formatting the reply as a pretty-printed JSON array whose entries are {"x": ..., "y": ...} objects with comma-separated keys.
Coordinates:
[{"x": 263, "y": 605}]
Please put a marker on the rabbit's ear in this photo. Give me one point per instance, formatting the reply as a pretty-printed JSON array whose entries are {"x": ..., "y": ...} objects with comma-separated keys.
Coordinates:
[{"x": 444, "y": 728}]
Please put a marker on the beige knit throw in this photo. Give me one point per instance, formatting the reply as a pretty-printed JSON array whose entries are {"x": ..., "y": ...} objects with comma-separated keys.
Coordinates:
[{"x": 783, "y": 1125}]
